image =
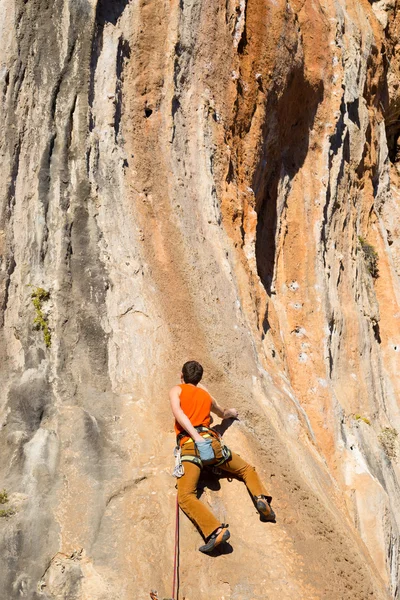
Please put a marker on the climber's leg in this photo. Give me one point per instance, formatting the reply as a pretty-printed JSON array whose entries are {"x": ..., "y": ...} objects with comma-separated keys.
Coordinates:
[
  {"x": 240, "y": 468},
  {"x": 191, "y": 505}
]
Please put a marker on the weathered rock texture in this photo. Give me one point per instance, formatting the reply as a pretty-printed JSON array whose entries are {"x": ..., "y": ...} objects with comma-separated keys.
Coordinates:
[{"x": 210, "y": 180}]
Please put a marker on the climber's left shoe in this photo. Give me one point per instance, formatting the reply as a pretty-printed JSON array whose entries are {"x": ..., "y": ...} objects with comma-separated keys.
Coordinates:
[
  {"x": 264, "y": 508},
  {"x": 215, "y": 539}
]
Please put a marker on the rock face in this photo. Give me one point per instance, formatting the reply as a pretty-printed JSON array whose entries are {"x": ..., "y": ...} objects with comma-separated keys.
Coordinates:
[{"x": 214, "y": 181}]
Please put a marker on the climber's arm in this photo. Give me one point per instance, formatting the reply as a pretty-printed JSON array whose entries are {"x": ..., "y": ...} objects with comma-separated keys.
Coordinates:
[
  {"x": 224, "y": 413},
  {"x": 183, "y": 420}
]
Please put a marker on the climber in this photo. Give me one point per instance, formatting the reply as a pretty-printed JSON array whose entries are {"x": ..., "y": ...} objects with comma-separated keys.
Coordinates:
[{"x": 200, "y": 446}]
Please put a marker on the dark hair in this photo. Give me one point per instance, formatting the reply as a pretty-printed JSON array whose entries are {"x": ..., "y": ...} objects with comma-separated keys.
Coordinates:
[{"x": 192, "y": 372}]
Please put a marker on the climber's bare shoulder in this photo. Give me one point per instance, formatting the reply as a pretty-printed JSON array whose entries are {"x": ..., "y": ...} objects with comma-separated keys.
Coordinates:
[
  {"x": 215, "y": 407},
  {"x": 175, "y": 391}
]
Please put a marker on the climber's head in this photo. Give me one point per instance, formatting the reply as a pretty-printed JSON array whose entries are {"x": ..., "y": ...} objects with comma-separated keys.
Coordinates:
[{"x": 192, "y": 372}]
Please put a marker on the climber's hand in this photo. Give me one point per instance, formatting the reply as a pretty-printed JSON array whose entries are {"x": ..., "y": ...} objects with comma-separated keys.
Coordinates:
[{"x": 231, "y": 413}]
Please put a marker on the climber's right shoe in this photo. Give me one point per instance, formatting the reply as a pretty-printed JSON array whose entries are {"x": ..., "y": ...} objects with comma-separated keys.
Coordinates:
[
  {"x": 264, "y": 508},
  {"x": 215, "y": 539}
]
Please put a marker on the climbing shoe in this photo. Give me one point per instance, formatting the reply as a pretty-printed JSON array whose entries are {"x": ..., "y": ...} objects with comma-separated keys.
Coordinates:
[
  {"x": 215, "y": 539},
  {"x": 264, "y": 508}
]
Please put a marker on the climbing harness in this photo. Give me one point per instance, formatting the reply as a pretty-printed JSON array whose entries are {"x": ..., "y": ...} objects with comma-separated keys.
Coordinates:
[
  {"x": 193, "y": 459},
  {"x": 200, "y": 429},
  {"x": 181, "y": 457}
]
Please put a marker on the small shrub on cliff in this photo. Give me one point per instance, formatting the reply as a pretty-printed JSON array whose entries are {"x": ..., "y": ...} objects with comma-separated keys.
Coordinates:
[
  {"x": 39, "y": 295},
  {"x": 370, "y": 257},
  {"x": 358, "y": 417},
  {"x": 7, "y": 512},
  {"x": 388, "y": 440}
]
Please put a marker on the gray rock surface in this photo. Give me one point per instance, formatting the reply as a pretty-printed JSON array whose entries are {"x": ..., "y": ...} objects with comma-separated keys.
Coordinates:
[{"x": 210, "y": 181}]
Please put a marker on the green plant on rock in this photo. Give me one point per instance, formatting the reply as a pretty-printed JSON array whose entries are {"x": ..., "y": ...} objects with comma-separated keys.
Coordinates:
[
  {"x": 388, "y": 440},
  {"x": 40, "y": 295},
  {"x": 7, "y": 512},
  {"x": 370, "y": 257},
  {"x": 358, "y": 417}
]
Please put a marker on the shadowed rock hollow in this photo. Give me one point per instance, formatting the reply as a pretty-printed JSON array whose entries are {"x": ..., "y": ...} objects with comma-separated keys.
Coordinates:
[{"x": 208, "y": 180}]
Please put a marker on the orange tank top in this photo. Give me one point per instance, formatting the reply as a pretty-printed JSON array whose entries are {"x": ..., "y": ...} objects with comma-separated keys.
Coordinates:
[{"x": 196, "y": 404}]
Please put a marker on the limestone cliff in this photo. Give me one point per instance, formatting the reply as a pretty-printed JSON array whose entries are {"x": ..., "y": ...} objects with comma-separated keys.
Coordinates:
[{"x": 215, "y": 181}]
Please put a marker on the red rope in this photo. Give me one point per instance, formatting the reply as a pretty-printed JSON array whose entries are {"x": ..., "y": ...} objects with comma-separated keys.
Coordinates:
[{"x": 176, "y": 553}]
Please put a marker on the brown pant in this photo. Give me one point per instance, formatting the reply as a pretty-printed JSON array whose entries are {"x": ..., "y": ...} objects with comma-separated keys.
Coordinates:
[{"x": 187, "y": 487}]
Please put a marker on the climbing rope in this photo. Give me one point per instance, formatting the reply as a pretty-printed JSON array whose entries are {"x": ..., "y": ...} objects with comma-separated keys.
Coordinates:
[{"x": 175, "y": 580}]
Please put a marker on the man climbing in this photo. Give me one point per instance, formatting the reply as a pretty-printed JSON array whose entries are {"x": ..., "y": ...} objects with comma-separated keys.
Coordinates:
[{"x": 191, "y": 405}]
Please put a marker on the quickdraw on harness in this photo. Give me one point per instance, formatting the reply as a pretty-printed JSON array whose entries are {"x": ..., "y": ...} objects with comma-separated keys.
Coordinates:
[
  {"x": 180, "y": 458},
  {"x": 178, "y": 470}
]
